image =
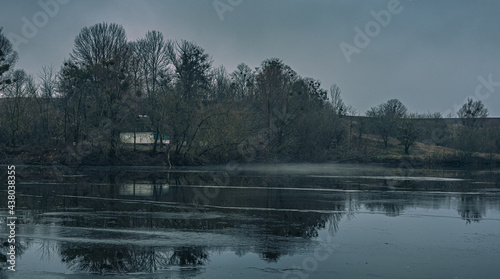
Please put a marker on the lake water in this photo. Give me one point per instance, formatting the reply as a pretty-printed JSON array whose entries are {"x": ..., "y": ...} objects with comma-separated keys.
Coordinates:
[{"x": 268, "y": 221}]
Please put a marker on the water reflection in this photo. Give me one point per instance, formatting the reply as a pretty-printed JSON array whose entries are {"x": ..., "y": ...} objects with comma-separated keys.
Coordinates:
[
  {"x": 119, "y": 222},
  {"x": 471, "y": 208},
  {"x": 184, "y": 256}
]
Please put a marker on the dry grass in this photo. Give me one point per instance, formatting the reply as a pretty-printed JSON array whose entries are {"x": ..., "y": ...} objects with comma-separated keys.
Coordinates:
[{"x": 372, "y": 149}]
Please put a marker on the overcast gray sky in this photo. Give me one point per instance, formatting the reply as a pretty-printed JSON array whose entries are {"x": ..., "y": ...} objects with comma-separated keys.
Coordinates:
[{"x": 430, "y": 54}]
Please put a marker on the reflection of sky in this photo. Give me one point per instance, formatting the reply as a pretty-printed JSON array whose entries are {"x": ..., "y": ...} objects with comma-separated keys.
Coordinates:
[
  {"x": 32, "y": 259},
  {"x": 261, "y": 227},
  {"x": 417, "y": 243},
  {"x": 421, "y": 243}
]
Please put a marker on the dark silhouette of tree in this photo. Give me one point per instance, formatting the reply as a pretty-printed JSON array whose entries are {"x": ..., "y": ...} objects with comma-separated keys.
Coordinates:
[
  {"x": 18, "y": 102},
  {"x": 192, "y": 69},
  {"x": 407, "y": 134},
  {"x": 96, "y": 87},
  {"x": 220, "y": 87},
  {"x": 185, "y": 256},
  {"x": 99, "y": 44},
  {"x": 243, "y": 82},
  {"x": 8, "y": 58},
  {"x": 471, "y": 208},
  {"x": 282, "y": 96},
  {"x": 468, "y": 137},
  {"x": 185, "y": 105},
  {"x": 49, "y": 112},
  {"x": 339, "y": 106},
  {"x": 387, "y": 117},
  {"x": 471, "y": 111},
  {"x": 155, "y": 80}
]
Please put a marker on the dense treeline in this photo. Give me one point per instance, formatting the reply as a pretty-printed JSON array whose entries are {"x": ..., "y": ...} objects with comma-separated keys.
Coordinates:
[{"x": 109, "y": 85}]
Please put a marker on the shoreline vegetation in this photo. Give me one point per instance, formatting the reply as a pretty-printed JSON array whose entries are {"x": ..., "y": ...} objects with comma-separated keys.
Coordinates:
[
  {"x": 177, "y": 109},
  {"x": 364, "y": 149},
  {"x": 141, "y": 158}
]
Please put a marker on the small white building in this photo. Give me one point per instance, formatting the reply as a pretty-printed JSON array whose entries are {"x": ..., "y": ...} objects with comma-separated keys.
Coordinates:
[{"x": 141, "y": 138}]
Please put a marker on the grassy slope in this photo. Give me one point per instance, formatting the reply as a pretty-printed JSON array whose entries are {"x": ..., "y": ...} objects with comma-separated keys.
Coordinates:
[{"x": 372, "y": 150}]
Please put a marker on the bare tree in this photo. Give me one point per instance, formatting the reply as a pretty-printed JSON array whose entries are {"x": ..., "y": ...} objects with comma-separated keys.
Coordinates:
[
  {"x": 221, "y": 85},
  {"x": 468, "y": 137},
  {"x": 100, "y": 43},
  {"x": 192, "y": 69},
  {"x": 471, "y": 111},
  {"x": 8, "y": 58},
  {"x": 387, "y": 116},
  {"x": 339, "y": 106},
  {"x": 97, "y": 82},
  {"x": 48, "y": 89},
  {"x": 274, "y": 86},
  {"x": 17, "y": 116},
  {"x": 48, "y": 82},
  {"x": 192, "y": 76},
  {"x": 407, "y": 134},
  {"x": 243, "y": 81},
  {"x": 153, "y": 59}
]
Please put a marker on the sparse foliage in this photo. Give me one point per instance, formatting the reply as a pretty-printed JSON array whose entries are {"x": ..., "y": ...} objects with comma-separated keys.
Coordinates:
[
  {"x": 110, "y": 85},
  {"x": 468, "y": 140},
  {"x": 95, "y": 85},
  {"x": 192, "y": 69},
  {"x": 471, "y": 111},
  {"x": 407, "y": 134},
  {"x": 388, "y": 115},
  {"x": 154, "y": 78},
  {"x": 339, "y": 106},
  {"x": 243, "y": 82},
  {"x": 8, "y": 58}
]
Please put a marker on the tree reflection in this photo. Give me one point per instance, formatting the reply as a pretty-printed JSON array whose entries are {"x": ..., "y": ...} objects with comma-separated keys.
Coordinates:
[
  {"x": 269, "y": 216},
  {"x": 471, "y": 208},
  {"x": 392, "y": 209},
  {"x": 99, "y": 259},
  {"x": 185, "y": 256},
  {"x": 269, "y": 256},
  {"x": 121, "y": 259},
  {"x": 21, "y": 246},
  {"x": 47, "y": 249}
]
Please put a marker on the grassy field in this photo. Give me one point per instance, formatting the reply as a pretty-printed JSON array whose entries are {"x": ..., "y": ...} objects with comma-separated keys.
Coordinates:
[{"x": 372, "y": 150}]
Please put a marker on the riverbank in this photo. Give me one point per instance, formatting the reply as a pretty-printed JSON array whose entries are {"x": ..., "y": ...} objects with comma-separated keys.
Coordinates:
[{"x": 373, "y": 152}]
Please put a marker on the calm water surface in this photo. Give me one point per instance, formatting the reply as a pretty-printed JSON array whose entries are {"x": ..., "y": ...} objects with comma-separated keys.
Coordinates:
[{"x": 274, "y": 221}]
